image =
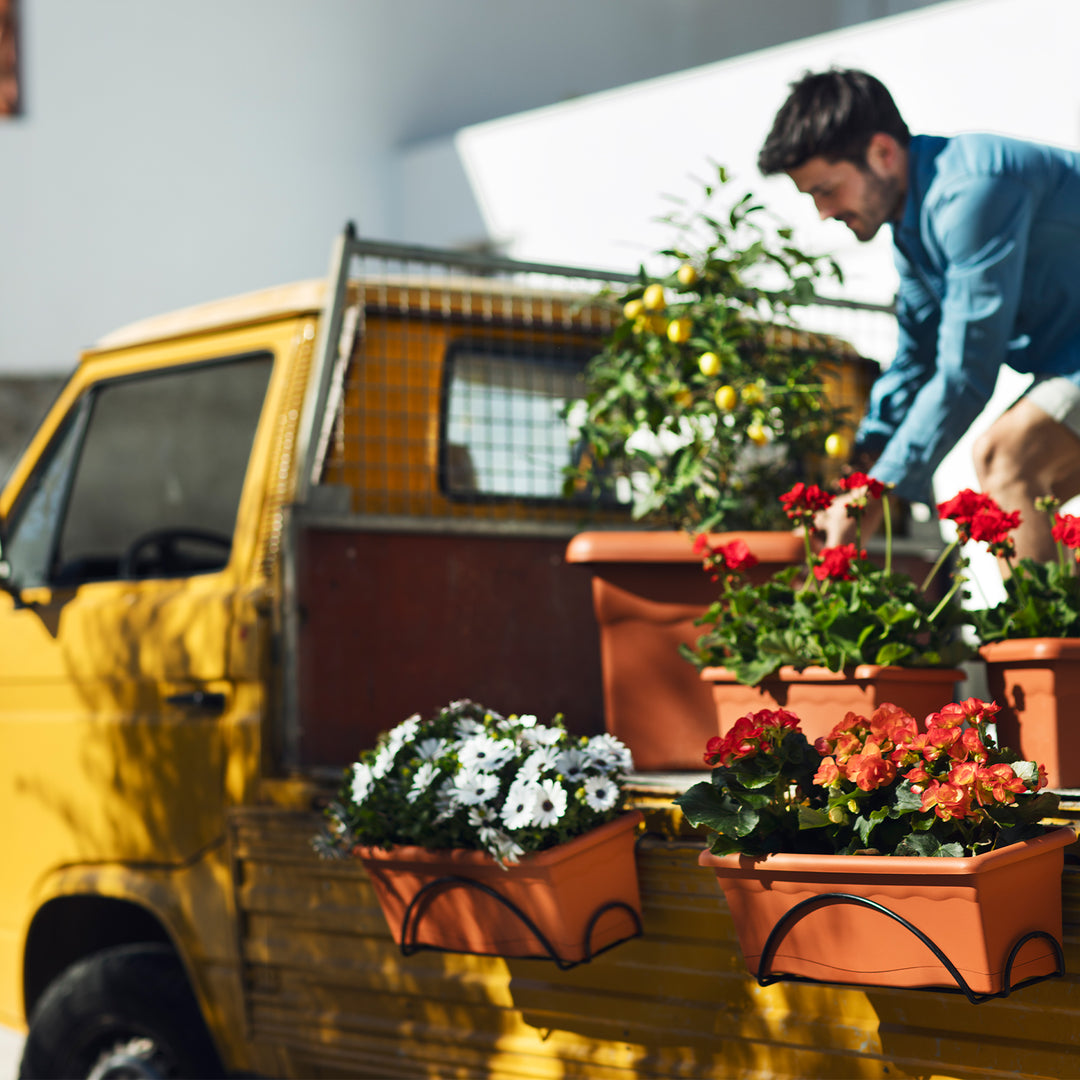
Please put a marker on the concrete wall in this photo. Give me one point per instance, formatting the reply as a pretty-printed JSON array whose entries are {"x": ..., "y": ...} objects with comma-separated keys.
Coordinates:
[{"x": 173, "y": 151}]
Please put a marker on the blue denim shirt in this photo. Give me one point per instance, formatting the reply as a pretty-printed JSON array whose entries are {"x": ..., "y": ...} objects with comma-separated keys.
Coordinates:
[{"x": 988, "y": 250}]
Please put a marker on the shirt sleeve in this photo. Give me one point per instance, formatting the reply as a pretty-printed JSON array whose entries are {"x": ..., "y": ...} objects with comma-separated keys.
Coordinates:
[{"x": 982, "y": 227}]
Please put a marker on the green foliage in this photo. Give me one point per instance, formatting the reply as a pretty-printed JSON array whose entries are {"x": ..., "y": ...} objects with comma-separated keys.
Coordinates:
[
  {"x": 1041, "y": 600},
  {"x": 878, "y": 617},
  {"x": 652, "y": 419}
]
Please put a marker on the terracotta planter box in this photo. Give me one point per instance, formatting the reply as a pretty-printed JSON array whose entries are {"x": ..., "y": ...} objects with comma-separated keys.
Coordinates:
[
  {"x": 561, "y": 891},
  {"x": 974, "y": 909},
  {"x": 1036, "y": 681},
  {"x": 821, "y": 698},
  {"x": 648, "y": 589}
]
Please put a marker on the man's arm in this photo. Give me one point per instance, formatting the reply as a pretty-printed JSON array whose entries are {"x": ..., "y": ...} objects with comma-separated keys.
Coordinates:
[{"x": 982, "y": 227}]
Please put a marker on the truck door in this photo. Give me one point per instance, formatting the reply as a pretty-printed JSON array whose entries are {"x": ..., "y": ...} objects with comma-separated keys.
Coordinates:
[{"x": 114, "y": 676}]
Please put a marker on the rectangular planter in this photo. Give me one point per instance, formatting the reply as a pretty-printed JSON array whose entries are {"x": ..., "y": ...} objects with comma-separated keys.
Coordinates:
[
  {"x": 1036, "y": 681},
  {"x": 821, "y": 698},
  {"x": 648, "y": 590},
  {"x": 581, "y": 897},
  {"x": 975, "y": 910}
]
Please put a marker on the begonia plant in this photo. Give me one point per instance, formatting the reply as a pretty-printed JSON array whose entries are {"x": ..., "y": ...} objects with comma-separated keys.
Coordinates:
[
  {"x": 877, "y": 785},
  {"x": 840, "y": 609},
  {"x": 469, "y": 777}
]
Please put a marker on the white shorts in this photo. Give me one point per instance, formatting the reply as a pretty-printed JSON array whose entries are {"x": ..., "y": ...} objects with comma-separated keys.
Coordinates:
[{"x": 1059, "y": 398}]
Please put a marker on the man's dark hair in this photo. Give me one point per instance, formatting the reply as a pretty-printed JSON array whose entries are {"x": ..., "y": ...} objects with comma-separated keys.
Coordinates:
[{"x": 832, "y": 115}]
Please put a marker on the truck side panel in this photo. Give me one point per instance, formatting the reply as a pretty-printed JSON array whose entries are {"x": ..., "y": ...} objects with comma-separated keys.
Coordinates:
[{"x": 329, "y": 994}]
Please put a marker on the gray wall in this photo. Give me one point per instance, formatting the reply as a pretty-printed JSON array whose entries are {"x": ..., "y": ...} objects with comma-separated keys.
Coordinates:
[{"x": 174, "y": 151}]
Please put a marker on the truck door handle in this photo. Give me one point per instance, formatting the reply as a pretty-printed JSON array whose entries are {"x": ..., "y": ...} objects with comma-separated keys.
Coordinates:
[{"x": 198, "y": 699}]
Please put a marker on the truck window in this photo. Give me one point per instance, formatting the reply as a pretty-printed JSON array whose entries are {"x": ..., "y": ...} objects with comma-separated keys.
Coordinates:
[
  {"x": 505, "y": 430},
  {"x": 144, "y": 479}
]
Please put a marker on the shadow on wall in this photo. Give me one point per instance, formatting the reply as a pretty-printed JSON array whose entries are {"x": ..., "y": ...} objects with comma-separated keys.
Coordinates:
[{"x": 24, "y": 400}]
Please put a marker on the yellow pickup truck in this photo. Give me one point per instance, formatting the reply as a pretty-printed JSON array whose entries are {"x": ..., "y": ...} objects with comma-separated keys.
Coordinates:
[{"x": 246, "y": 538}]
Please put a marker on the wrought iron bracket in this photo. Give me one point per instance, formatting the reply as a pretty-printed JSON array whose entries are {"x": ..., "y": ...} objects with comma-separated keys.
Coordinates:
[
  {"x": 796, "y": 914},
  {"x": 410, "y": 923}
]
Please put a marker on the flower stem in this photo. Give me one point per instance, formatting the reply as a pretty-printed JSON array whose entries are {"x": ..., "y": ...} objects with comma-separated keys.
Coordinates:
[
  {"x": 942, "y": 558},
  {"x": 944, "y": 601},
  {"x": 888, "y": 532}
]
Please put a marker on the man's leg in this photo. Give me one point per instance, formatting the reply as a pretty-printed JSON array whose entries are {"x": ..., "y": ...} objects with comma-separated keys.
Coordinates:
[{"x": 1027, "y": 454}]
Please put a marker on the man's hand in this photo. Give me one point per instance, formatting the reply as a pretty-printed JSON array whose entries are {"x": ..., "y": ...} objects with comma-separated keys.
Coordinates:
[{"x": 839, "y": 527}]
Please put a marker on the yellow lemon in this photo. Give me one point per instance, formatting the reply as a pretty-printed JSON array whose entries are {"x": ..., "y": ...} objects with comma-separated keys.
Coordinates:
[
  {"x": 633, "y": 308},
  {"x": 687, "y": 275},
  {"x": 726, "y": 398},
  {"x": 709, "y": 364},
  {"x": 656, "y": 323},
  {"x": 654, "y": 298},
  {"x": 836, "y": 446},
  {"x": 684, "y": 398},
  {"x": 679, "y": 330},
  {"x": 758, "y": 434},
  {"x": 752, "y": 394}
]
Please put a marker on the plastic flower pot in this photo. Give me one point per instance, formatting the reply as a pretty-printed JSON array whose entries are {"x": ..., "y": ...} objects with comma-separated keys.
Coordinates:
[
  {"x": 975, "y": 910},
  {"x": 820, "y": 697},
  {"x": 565, "y": 904},
  {"x": 1036, "y": 681},
  {"x": 648, "y": 590}
]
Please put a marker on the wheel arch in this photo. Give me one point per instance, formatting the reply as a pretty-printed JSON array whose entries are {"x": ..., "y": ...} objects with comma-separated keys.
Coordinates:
[{"x": 69, "y": 928}]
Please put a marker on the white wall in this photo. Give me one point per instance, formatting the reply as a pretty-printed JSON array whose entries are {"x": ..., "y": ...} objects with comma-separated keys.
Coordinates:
[{"x": 173, "y": 151}]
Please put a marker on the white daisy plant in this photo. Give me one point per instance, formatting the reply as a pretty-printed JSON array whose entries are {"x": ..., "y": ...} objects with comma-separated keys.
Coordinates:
[{"x": 469, "y": 777}]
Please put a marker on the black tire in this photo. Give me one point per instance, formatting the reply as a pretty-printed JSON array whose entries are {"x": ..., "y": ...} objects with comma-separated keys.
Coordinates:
[{"x": 126, "y": 1012}]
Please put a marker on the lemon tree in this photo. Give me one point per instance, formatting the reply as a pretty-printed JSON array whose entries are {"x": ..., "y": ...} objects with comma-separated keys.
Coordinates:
[{"x": 707, "y": 401}]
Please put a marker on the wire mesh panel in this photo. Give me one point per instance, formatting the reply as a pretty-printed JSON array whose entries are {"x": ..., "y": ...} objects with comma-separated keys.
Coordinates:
[{"x": 453, "y": 402}]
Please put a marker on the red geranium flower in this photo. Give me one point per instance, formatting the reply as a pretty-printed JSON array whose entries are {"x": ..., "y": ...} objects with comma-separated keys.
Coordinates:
[
  {"x": 1066, "y": 530},
  {"x": 836, "y": 563},
  {"x": 874, "y": 488},
  {"x": 803, "y": 501},
  {"x": 963, "y": 506},
  {"x": 737, "y": 556}
]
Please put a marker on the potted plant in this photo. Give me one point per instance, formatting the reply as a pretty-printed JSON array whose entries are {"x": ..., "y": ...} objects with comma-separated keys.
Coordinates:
[
  {"x": 889, "y": 853},
  {"x": 840, "y": 632},
  {"x": 1031, "y": 639},
  {"x": 493, "y": 834},
  {"x": 705, "y": 403}
]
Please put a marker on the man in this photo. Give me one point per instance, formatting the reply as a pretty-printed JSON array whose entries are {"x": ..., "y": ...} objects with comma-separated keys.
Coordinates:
[{"x": 986, "y": 237}]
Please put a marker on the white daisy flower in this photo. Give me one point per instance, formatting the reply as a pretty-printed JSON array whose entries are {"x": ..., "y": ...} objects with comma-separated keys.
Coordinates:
[
  {"x": 466, "y": 727},
  {"x": 430, "y": 749},
  {"x": 384, "y": 761},
  {"x": 483, "y": 818},
  {"x": 362, "y": 782},
  {"x": 423, "y": 779},
  {"x": 539, "y": 735},
  {"x": 518, "y": 810},
  {"x": 608, "y": 753},
  {"x": 527, "y": 720},
  {"x": 473, "y": 787},
  {"x": 541, "y": 760},
  {"x": 572, "y": 763},
  {"x": 403, "y": 733},
  {"x": 601, "y": 793},
  {"x": 484, "y": 752},
  {"x": 506, "y": 849},
  {"x": 550, "y": 804}
]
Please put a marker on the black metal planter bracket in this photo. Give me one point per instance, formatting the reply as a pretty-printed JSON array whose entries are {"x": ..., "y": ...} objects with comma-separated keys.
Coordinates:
[
  {"x": 766, "y": 977},
  {"x": 410, "y": 923}
]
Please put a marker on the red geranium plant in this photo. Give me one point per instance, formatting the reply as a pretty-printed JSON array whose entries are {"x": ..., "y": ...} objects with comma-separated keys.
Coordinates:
[
  {"x": 1041, "y": 599},
  {"x": 837, "y": 611},
  {"x": 878, "y": 785}
]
